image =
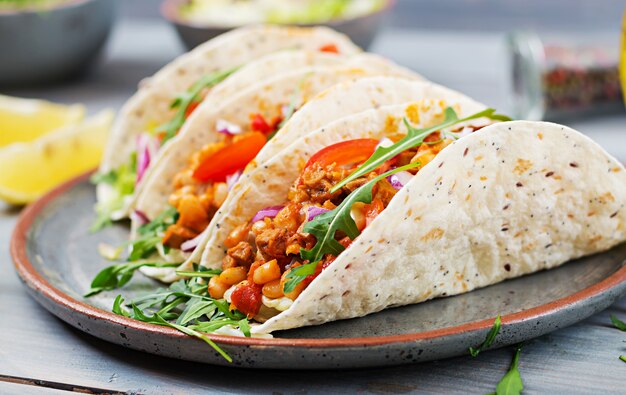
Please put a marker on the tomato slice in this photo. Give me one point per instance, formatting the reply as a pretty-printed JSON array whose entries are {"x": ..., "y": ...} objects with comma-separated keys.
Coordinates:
[
  {"x": 247, "y": 298},
  {"x": 372, "y": 210},
  {"x": 345, "y": 153},
  {"x": 230, "y": 159},
  {"x": 331, "y": 48},
  {"x": 190, "y": 108},
  {"x": 259, "y": 124}
]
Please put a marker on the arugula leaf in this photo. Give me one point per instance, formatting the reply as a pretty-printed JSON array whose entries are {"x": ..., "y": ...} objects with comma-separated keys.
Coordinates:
[
  {"x": 511, "y": 383},
  {"x": 116, "y": 276},
  {"x": 326, "y": 225},
  {"x": 199, "y": 313},
  {"x": 414, "y": 138},
  {"x": 298, "y": 274},
  {"x": 196, "y": 309},
  {"x": 184, "y": 100},
  {"x": 117, "y": 306},
  {"x": 491, "y": 336},
  {"x": 201, "y": 272},
  {"x": 158, "y": 320},
  {"x": 151, "y": 234},
  {"x": 619, "y": 324}
]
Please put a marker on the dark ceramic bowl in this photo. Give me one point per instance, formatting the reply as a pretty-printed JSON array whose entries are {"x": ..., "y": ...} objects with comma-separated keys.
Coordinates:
[
  {"x": 44, "y": 46},
  {"x": 362, "y": 30}
]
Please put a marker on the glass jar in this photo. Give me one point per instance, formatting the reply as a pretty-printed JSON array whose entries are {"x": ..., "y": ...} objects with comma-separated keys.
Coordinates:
[{"x": 555, "y": 78}]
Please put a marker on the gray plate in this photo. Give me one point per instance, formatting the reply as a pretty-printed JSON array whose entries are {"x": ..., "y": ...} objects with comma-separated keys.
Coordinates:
[{"x": 56, "y": 257}]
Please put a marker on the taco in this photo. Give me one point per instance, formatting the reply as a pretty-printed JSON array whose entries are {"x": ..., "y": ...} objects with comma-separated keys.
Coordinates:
[
  {"x": 192, "y": 175},
  {"x": 341, "y": 100},
  {"x": 165, "y": 99},
  {"x": 407, "y": 203}
]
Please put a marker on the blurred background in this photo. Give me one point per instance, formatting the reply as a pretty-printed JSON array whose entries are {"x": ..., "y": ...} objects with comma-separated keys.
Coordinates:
[
  {"x": 533, "y": 59},
  {"x": 459, "y": 43}
]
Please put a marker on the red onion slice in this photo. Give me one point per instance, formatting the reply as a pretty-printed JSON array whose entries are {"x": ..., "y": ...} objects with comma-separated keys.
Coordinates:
[
  {"x": 140, "y": 216},
  {"x": 399, "y": 179},
  {"x": 228, "y": 128},
  {"x": 314, "y": 211},
  {"x": 232, "y": 179},
  {"x": 267, "y": 212},
  {"x": 146, "y": 149},
  {"x": 190, "y": 245}
]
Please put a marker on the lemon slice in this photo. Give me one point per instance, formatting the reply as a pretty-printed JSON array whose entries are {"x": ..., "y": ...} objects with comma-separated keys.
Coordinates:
[
  {"x": 31, "y": 169},
  {"x": 24, "y": 120}
]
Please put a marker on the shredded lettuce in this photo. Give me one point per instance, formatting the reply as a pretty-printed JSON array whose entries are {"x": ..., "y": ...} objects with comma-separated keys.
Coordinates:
[{"x": 122, "y": 181}]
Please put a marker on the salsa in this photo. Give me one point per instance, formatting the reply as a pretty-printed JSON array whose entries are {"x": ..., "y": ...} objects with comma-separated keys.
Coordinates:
[
  {"x": 202, "y": 187},
  {"x": 264, "y": 250}
]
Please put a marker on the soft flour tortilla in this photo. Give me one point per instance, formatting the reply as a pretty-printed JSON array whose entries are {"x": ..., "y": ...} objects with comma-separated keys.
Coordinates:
[
  {"x": 266, "y": 97},
  {"x": 299, "y": 85},
  {"x": 150, "y": 106},
  {"x": 510, "y": 199},
  {"x": 385, "y": 97},
  {"x": 263, "y": 68}
]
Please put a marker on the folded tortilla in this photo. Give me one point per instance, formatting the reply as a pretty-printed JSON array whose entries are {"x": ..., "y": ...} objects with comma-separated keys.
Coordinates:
[
  {"x": 150, "y": 106},
  {"x": 295, "y": 87},
  {"x": 381, "y": 100},
  {"x": 510, "y": 199}
]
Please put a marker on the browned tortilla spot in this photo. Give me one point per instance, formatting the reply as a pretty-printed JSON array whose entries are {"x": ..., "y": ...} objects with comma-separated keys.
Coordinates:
[
  {"x": 523, "y": 165},
  {"x": 595, "y": 239},
  {"x": 412, "y": 112},
  {"x": 605, "y": 198},
  {"x": 433, "y": 234},
  {"x": 391, "y": 125}
]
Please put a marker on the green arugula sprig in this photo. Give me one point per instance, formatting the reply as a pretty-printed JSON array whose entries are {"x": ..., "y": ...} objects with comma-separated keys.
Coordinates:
[
  {"x": 116, "y": 276},
  {"x": 186, "y": 303},
  {"x": 511, "y": 383},
  {"x": 150, "y": 235},
  {"x": 491, "y": 336},
  {"x": 619, "y": 324},
  {"x": 157, "y": 319},
  {"x": 184, "y": 100},
  {"x": 326, "y": 225},
  {"x": 414, "y": 138},
  {"x": 205, "y": 273}
]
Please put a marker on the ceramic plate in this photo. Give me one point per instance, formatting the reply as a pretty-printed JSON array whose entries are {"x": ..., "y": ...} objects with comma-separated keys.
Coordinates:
[{"x": 56, "y": 257}]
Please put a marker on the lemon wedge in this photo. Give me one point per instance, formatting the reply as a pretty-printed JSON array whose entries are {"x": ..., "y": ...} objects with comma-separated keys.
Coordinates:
[
  {"x": 24, "y": 120},
  {"x": 30, "y": 169}
]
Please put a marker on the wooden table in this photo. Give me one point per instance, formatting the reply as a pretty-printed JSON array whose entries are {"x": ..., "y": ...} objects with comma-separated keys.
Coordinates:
[{"x": 40, "y": 354}]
